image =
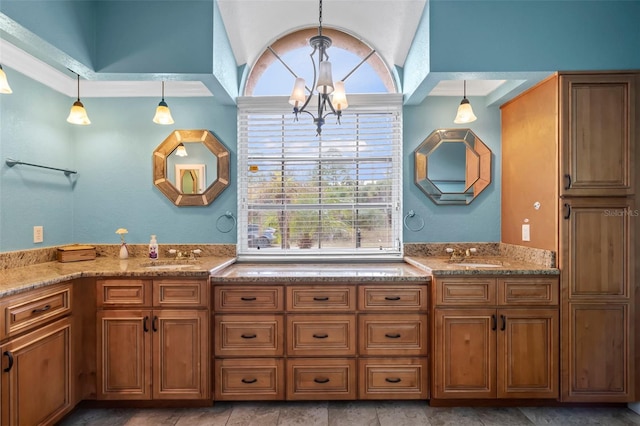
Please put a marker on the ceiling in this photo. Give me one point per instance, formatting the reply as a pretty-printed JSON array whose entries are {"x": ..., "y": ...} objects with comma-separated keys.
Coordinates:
[{"x": 252, "y": 25}]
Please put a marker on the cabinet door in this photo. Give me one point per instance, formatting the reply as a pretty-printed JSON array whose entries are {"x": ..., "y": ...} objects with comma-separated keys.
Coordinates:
[
  {"x": 598, "y": 361},
  {"x": 124, "y": 354},
  {"x": 36, "y": 388},
  {"x": 181, "y": 354},
  {"x": 596, "y": 246},
  {"x": 464, "y": 353},
  {"x": 527, "y": 353},
  {"x": 597, "y": 130}
]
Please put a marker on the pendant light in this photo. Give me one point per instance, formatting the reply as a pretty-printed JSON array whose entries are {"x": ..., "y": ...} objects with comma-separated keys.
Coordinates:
[
  {"x": 163, "y": 114},
  {"x": 181, "y": 151},
  {"x": 78, "y": 115},
  {"x": 4, "y": 84},
  {"x": 465, "y": 112}
]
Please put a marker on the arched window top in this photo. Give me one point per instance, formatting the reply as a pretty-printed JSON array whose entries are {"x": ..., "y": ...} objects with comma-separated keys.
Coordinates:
[{"x": 269, "y": 77}]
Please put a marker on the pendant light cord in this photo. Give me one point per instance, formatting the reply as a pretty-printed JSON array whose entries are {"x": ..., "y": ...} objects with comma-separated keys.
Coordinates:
[
  {"x": 78, "y": 75},
  {"x": 320, "y": 18},
  {"x": 162, "y": 90}
]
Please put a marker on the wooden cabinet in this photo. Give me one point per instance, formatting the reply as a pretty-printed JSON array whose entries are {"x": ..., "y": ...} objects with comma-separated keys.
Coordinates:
[
  {"x": 570, "y": 143},
  {"x": 153, "y": 339},
  {"x": 321, "y": 341},
  {"x": 37, "y": 368},
  {"x": 597, "y": 133},
  {"x": 497, "y": 350}
]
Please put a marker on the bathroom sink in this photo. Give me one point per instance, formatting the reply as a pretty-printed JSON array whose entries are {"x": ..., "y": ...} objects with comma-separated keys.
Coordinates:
[
  {"x": 168, "y": 264},
  {"x": 479, "y": 265},
  {"x": 171, "y": 266}
]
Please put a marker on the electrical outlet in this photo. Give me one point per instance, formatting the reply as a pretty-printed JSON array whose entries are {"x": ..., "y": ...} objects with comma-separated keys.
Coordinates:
[
  {"x": 38, "y": 234},
  {"x": 526, "y": 232}
]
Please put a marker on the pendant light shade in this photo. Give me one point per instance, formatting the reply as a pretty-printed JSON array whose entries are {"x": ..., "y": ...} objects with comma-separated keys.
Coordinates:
[
  {"x": 78, "y": 115},
  {"x": 181, "y": 151},
  {"x": 4, "y": 84},
  {"x": 339, "y": 97},
  {"x": 163, "y": 114},
  {"x": 465, "y": 112}
]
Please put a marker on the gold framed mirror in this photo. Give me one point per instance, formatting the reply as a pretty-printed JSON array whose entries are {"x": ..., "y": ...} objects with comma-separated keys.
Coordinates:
[
  {"x": 452, "y": 166},
  {"x": 191, "y": 167}
]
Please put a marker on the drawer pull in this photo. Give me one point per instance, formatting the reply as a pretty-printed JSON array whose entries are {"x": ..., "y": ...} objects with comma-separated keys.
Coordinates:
[
  {"x": 392, "y": 336},
  {"x": 392, "y": 298},
  {"x": 43, "y": 309},
  {"x": 9, "y": 355},
  {"x": 320, "y": 336},
  {"x": 145, "y": 326},
  {"x": 494, "y": 323},
  {"x": 393, "y": 379},
  {"x": 321, "y": 299},
  {"x": 248, "y": 336},
  {"x": 322, "y": 380},
  {"x": 154, "y": 323},
  {"x": 504, "y": 322},
  {"x": 248, "y": 299},
  {"x": 249, "y": 381}
]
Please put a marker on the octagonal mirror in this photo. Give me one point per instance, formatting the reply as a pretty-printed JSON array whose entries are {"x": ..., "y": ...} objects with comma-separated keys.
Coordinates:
[
  {"x": 452, "y": 166},
  {"x": 191, "y": 167}
]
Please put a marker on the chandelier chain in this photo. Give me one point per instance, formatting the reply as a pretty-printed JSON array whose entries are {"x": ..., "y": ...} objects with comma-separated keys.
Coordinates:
[{"x": 320, "y": 18}]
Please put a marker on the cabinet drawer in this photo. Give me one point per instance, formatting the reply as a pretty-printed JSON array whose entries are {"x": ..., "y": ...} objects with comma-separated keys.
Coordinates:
[
  {"x": 396, "y": 378},
  {"x": 32, "y": 309},
  {"x": 387, "y": 334},
  {"x": 249, "y": 379},
  {"x": 407, "y": 298},
  {"x": 177, "y": 293},
  {"x": 321, "y": 299},
  {"x": 465, "y": 291},
  {"x": 254, "y": 336},
  {"x": 124, "y": 293},
  {"x": 324, "y": 379},
  {"x": 528, "y": 291},
  {"x": 248, "y": 298},
  {"x": 321, "y": 335}
]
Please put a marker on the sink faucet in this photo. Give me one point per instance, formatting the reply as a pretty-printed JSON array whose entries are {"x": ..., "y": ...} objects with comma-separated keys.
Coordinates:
[{"x": 458, "y": 255}]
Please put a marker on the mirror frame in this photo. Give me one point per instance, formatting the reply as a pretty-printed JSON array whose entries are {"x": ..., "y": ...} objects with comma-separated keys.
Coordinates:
[
  {"x": 435, "y": 140},
  {"x": 160, "y": 177}
]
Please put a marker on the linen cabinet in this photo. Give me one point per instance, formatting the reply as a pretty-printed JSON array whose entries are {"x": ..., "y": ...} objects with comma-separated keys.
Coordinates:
[{"x": 570, "y": 153}]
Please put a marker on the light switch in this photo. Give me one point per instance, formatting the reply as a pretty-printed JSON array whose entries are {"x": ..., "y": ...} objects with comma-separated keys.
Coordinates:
[
  {"x": 38, "y": 234},
  {"x": 526, "y": 232}
]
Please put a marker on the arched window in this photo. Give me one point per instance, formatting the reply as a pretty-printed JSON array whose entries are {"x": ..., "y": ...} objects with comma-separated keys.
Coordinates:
[
  {"x": 319, "y": 195},
  {"x": 270, "y": 77}
]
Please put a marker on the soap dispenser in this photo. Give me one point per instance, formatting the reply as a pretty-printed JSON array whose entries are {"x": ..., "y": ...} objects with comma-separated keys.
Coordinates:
[{"x": 153, "y": 248}]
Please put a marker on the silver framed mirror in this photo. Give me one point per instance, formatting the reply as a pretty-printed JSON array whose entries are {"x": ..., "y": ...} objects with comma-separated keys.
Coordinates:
[{"x": 452, "y": 166}]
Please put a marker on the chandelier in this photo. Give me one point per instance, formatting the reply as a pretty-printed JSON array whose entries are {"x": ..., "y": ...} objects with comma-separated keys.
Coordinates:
[{"x": 331, "y": 96}]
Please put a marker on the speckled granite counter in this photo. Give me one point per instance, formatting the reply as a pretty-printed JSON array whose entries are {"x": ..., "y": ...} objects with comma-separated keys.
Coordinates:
[
  {"x": 291, "y": 273},
  {"x": 26, "y": 278},
  {"x": 440, "y": 266}
]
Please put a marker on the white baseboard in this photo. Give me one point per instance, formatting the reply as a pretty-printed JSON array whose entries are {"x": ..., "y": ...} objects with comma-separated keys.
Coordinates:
[{"x": 635, "y": 406}]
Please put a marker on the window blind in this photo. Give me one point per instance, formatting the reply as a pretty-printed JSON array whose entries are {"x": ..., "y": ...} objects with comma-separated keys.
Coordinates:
[{"x": 331, "y": 195}]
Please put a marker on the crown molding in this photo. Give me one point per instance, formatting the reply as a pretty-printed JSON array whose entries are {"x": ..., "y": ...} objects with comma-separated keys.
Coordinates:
[{"x": 20, "y": 61}]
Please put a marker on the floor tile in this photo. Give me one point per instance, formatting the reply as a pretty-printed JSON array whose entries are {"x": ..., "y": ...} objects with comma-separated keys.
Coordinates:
[
  {"x": 97, "y": 417},
  {"x": 499, "y": 416},
  {"x": 353, "y": 413},
  {"x": 218, "y": 415},
  {"x": 402, "y": 413},
  {"x": 304, "y": 414},
  {"x": 254, "y": 414},
  {"x": 453, "y": 416},
  {"x": 154, "y": 417}
]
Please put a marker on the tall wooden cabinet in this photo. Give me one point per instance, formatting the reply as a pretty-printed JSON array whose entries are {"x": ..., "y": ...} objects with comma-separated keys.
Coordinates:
[
  {"x": 153, "y": 339},
  {"x": 580, "y": 200}
]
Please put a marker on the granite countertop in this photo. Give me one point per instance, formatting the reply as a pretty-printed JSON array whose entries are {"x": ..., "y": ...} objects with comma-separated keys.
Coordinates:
[
  {"x": 440, "y": 266},
  {"x": 17, "y": 280},
  {"x": 292, "y": 273}
]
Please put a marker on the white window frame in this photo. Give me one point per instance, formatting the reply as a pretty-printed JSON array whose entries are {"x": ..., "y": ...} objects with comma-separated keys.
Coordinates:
[{"x": 361, "y": 103}]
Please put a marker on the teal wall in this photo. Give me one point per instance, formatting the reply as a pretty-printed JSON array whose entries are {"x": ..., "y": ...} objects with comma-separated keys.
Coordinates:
[
  {"x": 478, "y": 221},
  {"x": 114, "y": 187},
  {"x": 33, "y": 129}
]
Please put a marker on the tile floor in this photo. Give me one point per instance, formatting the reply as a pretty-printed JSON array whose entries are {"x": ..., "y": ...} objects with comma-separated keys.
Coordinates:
[{"x": 369, "y": 413}]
